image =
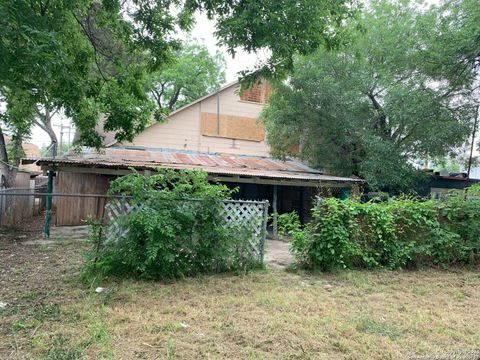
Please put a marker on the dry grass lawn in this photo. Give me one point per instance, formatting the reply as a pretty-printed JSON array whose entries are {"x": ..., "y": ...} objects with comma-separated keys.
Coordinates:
[{"x": 270, "y": 314}]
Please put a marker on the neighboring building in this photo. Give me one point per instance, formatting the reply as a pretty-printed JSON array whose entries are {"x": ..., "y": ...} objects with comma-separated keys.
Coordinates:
[
  {"x": 441, "y": 182},
  {"x": 220, "y": 134},
  {"x": 475, "y": 173},
  {"x": 31, "y": 151},
  {"x": 26, "y": 171}
]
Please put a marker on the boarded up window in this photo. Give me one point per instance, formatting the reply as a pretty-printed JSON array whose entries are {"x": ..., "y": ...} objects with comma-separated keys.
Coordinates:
[
  {"x": 232, "y": 127},
  {"x": 258, "y": 93}
]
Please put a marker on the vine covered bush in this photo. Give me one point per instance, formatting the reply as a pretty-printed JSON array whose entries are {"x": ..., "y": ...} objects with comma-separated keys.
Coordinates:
[
  {"x": 176, "y": 230},
  {"x": 394, "y": 234}
]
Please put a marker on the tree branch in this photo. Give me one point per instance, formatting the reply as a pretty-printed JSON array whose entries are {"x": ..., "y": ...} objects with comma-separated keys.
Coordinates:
[
  {"x": 381, "y": 121},
  {"x": 174, "y": 99},
  {"x": 92, "y": 43}
]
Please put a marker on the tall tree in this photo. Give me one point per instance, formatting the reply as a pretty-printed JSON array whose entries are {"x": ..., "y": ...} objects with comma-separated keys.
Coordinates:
[
  {"x": 92, "y": 57},
  {"x": 17, "y": 119},
  {"x": 44, "y": 113},
  {"x": 193, "y": 73},
  {"x": 455, "y": 49},
  {"x": 373, "y": 107}
]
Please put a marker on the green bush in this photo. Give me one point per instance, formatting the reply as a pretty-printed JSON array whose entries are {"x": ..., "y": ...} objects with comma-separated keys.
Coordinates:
[
  {"x": 394, "y": 234},
  {"x": 176, "y": 230}
]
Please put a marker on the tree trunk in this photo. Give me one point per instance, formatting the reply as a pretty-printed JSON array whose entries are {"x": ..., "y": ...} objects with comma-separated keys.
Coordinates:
[
  {"x": 17, "y": 150},
  {"x": 7, "y": 173},
  {"x": 44, "y": 121}
]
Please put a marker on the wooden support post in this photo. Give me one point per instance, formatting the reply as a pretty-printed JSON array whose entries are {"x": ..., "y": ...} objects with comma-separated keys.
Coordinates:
[{"x": 274, "y": 208}]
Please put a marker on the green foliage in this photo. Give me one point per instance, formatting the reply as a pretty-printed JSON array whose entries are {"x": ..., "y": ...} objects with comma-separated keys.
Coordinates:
[
  {"x": 373, "y": 107},
  {"x": 288, "y": 224},
  {"x": 193, "y": 74},
  {"x": 176, "y": 230},
  {"x": 92, "y": 57},
  {"x": 395, "y": 234}
]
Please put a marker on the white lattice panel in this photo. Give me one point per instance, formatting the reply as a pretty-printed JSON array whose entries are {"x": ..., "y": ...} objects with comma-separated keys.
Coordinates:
[
  {"x": 249, "y": 214},
  {"x": 113, "y": 211}
]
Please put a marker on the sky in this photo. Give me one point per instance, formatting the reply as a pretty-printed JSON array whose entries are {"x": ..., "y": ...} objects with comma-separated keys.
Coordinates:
[{"x": 203, "y": 33}]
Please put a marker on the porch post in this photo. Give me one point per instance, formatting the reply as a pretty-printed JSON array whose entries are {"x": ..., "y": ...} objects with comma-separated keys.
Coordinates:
[{"x": 274, "y": 208}]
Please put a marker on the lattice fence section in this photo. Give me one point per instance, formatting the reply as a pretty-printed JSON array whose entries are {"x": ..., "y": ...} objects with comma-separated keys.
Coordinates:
[
  {"x": 114, "y": 210},
  {"x": 243, "y": 213},
  {"x": 250, "y": 214}
]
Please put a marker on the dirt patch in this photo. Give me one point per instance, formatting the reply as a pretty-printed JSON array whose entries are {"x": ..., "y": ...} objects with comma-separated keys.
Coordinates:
[
  {"x": 277, "y": 253},
  {"x": 33, "y": 281}
]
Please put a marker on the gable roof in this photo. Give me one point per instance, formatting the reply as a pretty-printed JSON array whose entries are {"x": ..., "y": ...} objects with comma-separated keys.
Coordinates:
[
  {"x": 111, "y": 143},
  {"x": 204, "y": 97}
]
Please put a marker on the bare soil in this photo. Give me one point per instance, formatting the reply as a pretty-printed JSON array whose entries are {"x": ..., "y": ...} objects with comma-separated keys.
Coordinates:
[{"x": 277, "y": 254}]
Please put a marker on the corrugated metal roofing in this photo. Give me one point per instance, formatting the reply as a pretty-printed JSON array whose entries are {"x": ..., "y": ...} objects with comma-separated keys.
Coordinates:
[{"x": 216, "y": 164}]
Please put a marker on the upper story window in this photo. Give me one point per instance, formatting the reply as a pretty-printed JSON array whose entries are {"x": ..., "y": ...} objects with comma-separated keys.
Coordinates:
[{"x": 257, "y": 93}]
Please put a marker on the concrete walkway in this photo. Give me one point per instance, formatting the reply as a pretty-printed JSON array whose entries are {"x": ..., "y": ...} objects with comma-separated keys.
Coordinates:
[
  {"x": 59, "y": 234},
  {"x": 277, "y": 254}
]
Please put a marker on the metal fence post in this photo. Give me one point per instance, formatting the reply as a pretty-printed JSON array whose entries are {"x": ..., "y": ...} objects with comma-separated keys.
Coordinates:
[
  {"x": 275, "y": 213},
  {"x": 48, "y": 204}
]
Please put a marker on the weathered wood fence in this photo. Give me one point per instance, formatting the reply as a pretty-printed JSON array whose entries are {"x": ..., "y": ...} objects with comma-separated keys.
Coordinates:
[{"x": 15, "y": 209}]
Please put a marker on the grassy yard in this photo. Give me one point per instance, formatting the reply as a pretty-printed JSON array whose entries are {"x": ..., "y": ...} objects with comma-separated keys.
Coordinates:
[{"x": 270, "y": 314}]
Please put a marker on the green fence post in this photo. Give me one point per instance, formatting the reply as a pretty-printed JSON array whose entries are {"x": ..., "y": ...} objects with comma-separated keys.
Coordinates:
[{"x": 48, "y": 204}]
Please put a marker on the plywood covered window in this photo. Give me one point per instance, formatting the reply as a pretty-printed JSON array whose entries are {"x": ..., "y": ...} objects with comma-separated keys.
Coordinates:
[
  {"x": 232, "y": 127},
  {"x": 258, "y": 93}
]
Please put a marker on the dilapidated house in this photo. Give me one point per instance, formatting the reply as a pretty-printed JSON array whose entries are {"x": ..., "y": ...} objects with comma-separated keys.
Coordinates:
[{"x": 220, "y": 134}]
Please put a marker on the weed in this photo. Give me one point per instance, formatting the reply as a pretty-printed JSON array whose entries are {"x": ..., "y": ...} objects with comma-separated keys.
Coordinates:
[
  {"x": 170, "y": 351},
  {"x": 421, "y": 290},
  {"x": 369, "y": 325},
  {"x": 110, "y": 294},
  {"x": 44, "y": 248},
  {"x": 49, "y": 311},
  {"x": 9, "y": 310},
  {"x": 169, "y": 326},
  {"x": 62, "y": 349},
  {"x": 18, "y": 325}
]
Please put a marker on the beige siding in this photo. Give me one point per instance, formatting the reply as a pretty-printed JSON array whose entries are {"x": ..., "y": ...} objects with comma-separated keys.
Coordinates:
[{"x": 182, "y": 130}]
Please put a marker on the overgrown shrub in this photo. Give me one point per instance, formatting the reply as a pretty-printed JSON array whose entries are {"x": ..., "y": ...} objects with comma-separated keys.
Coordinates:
[
  {"x": 176, "y": 229},
  {"x": 394, "y": 234}
]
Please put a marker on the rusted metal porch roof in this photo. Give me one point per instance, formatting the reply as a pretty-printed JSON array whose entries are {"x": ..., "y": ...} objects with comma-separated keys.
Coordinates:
[{"x": 225, "y": 165}]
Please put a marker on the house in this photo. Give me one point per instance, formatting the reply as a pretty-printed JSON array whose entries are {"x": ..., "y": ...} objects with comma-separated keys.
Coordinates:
[
  {"x": 220, "y": 134},
  {"x": 439, "y": 183},
  {"x": 26, "y": 171}
]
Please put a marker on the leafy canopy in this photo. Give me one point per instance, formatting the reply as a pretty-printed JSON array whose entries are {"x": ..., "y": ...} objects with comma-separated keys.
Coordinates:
[
  {"x": 95, "y": 56},
  {"x": 193, "y": 74},
  {"x": 375, "y": 106}
]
